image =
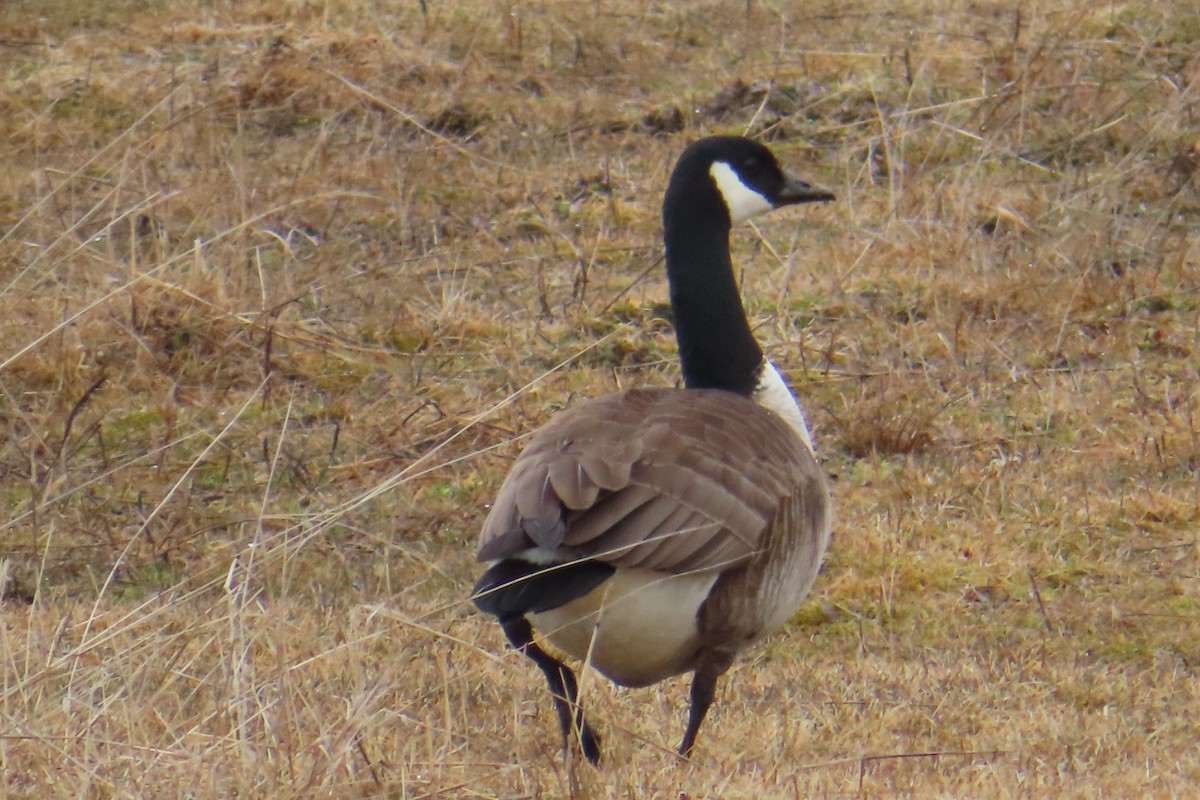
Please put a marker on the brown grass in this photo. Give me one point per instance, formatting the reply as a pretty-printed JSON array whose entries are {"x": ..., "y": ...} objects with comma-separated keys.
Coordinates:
[{"x": 283, "y": 285}]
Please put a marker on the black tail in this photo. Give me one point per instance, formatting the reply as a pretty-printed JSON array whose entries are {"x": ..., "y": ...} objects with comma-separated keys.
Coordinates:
[{"x": 513, "y": 587}]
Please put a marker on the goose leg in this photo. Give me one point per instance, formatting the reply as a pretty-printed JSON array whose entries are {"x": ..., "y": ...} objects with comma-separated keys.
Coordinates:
[
  {"x": 704, "y": 689},
  {"x": 563, "y": 687}
]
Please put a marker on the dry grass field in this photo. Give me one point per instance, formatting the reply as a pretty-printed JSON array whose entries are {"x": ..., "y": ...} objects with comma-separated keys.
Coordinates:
[{"x": 284, "y": 283}]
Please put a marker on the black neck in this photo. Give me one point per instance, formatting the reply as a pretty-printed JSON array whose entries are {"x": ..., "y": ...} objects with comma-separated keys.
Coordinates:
[{"x": 716, "y": 347}]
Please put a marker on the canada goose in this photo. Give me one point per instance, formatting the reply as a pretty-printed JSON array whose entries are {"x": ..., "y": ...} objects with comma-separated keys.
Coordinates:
[{"x": 653, "y": 532}]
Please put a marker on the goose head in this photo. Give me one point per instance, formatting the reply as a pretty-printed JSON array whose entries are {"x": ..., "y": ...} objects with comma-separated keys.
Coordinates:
[{"x": 737, "y": 178}]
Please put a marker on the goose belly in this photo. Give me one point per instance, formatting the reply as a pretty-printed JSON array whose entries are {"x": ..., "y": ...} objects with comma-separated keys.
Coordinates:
[{"x": 636, "y": 628}]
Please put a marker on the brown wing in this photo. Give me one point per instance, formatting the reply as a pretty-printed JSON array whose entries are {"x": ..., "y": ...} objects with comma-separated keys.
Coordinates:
[{"x": 667, "y": 479}]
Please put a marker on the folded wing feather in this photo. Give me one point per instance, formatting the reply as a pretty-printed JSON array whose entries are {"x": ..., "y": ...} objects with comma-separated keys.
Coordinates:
[{"x": 656, "y": 478}]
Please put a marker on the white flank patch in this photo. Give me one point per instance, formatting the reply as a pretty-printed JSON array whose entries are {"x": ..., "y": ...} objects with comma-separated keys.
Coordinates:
[
  {"x": 742, "y": 201},
  {"x": 774, "y": 394},
  {"x": 636, "y": 628},
  {"x": 538, "y": 556}
]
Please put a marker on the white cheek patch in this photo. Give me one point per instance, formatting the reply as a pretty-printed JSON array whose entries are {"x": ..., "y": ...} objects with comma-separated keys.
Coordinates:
[
  {"x": 774, "y": 394},
  {"x": 742, "y": 201}
]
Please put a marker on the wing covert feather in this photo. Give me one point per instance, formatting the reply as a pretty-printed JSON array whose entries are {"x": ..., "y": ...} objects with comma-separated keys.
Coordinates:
[{"x": 668, "y": 479}]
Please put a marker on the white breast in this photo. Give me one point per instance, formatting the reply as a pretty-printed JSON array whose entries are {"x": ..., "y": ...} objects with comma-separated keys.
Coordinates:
[
  {"x": 637, "y": 628},
  {"x": 774, "y": 394}
]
